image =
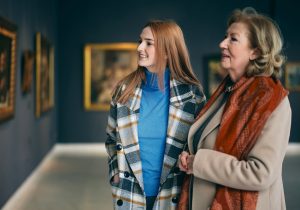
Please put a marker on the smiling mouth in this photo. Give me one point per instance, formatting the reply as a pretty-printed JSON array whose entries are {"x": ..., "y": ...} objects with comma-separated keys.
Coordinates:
[
  {"x": 224, "y": 56},
  {"x": 143, "y": 57}
]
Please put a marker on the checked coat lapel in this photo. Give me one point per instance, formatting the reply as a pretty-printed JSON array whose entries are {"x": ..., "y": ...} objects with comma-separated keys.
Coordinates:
[
  {"x": 178, "y": 125},
  {"x": 129, "y": 135}
]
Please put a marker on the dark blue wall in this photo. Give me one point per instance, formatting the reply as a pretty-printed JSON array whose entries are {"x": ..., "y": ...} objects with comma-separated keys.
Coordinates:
[
  {"x": 110, "y": 21},
  {"x": 100, "y": 22},
  {"x": 24, "y": 140},
  {"x": 287, "y": 16}
]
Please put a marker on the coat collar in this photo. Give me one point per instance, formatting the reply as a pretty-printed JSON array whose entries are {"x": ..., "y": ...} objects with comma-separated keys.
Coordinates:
[
  {"x": 179, "y": 94},
  {"x": 213, "y": 123},
  {"x": 134, "y": 102}
]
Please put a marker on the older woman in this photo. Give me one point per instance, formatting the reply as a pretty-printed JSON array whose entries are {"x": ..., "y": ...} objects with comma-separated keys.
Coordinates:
[{"x": 239, "y": 140}]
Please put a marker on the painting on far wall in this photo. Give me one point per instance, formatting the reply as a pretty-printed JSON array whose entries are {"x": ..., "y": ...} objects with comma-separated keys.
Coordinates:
[
  {"x": 213, "y": 73},
  {"x": 27, "y": 71},
  {"x": 7, "y": 68},
  {"x": 44, "y": 75},
  {"x": 292, "y": 76},
  {"x": 104, "y": 66}
]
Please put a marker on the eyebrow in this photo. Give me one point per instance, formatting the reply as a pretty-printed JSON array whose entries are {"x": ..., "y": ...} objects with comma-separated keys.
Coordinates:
[
  {"x": 233, "y": 33},
  {"x": 147, "y": 39}
]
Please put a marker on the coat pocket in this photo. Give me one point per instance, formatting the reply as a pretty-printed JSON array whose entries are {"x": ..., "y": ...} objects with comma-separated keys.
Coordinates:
[{"x": 128, "y": 195}]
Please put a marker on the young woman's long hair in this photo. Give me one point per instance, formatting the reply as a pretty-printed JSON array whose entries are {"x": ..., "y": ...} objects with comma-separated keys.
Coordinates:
[{"x": 170, "y": 50}]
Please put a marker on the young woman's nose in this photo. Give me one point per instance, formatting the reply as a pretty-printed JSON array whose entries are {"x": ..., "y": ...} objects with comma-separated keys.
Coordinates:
[{"x": 140, "y": 47}]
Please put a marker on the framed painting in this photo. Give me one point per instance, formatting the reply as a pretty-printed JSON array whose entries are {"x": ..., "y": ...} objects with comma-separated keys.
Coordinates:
[
  {"x": 27, "y": 71},
  {"x": 104, "y": 66},
  {"x": 213, "y": 73},
  {"x": 292, "y": 76},
  {"x": 8, "y": 34},
  {"x": 44, "y": 75}
]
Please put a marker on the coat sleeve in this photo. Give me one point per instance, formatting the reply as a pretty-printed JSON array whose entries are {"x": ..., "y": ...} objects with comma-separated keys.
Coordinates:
[
  {"x": 111, "y": 142},
  {"x": 264, "y": 163},
  {"x": 200, "y": 100}
]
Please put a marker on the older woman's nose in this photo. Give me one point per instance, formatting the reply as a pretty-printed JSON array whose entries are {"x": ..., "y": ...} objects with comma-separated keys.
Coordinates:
[{"x": 223, "y": 44}]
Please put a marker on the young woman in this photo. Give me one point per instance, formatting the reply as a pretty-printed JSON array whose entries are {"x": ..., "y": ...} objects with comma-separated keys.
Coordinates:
[{"x": 151, "y": 112}]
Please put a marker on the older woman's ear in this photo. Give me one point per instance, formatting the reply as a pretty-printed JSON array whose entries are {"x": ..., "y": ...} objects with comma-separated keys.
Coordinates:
[{"x": 254, "y": 54}]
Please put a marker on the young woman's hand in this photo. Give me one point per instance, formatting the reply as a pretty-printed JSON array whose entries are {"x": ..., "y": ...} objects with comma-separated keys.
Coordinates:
[{"x": 116, "y": 179}]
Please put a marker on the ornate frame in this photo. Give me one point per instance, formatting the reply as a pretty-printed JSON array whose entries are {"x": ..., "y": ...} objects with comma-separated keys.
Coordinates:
[
  {"x": 8, "y": 34},
  {"x": 213, "y": 73},
  {"x": 104, "y": 66},
  {"x": 44, "y": 75},
  {"x": 292, "y": 76}
]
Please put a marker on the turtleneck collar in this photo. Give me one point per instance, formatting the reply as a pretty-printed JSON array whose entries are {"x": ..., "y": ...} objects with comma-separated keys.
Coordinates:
[{"x": 152, "y": 79}]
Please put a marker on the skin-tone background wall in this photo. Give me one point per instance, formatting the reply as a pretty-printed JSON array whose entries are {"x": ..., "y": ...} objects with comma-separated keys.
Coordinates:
[{"x": 24, "y": 139}]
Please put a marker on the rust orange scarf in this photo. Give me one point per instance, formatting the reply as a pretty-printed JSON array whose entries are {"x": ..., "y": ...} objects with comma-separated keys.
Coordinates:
[
  {"x": 248, "y": 108},
  {"x": 250, "y": 104}
]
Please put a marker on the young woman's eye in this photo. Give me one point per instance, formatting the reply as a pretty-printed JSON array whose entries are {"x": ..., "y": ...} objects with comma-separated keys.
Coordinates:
[{"x": 149, "y": 43}]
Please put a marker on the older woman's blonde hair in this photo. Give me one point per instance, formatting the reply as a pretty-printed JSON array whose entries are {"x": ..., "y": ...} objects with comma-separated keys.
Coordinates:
[
  {"x": 265, "y": 36},
  {"x": 171, "y": 52}
]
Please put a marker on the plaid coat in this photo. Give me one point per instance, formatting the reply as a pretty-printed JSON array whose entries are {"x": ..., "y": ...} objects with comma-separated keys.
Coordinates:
[{"x": 122, "y": 146}]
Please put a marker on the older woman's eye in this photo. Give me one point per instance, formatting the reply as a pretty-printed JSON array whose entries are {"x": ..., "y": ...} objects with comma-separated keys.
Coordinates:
[
  {"x": 140, "y": 41},
  {"x": 233, "y": 39}
]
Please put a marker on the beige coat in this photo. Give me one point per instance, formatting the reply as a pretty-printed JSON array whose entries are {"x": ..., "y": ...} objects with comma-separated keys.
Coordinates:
[{"x": 262, "y": 171}]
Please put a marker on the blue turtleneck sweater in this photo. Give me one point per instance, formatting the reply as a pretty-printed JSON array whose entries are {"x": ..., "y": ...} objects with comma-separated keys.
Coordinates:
[{"x": 152, "y": 129}]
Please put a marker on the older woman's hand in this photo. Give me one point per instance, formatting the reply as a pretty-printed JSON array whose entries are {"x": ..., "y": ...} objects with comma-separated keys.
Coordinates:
[
  {"x": 183, "y": 161},
  {"x": 186, "y": 162},
  {"x": 190, "y": 162}
]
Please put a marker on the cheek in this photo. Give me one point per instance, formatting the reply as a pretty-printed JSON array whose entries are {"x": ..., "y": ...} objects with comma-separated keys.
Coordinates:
[
  {"x": 151, "y": 51},
  {"x": 243, "y": 61},
  {"x": 153, "y": 54}
]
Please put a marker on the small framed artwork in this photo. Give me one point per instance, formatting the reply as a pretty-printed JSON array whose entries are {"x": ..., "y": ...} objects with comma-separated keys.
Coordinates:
[
  {"x": 27, "y": 70},
  {"x": 104, "y": 66},
  {"x": 213, "y": 73},
  {"x": 292, "y": 76},
  {"x": 44, "y": 75},
  {"x": 8, "y": 34}
]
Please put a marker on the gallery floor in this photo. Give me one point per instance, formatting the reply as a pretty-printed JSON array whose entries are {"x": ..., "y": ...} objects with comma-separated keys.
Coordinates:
[{"x": 74, "y": 177}]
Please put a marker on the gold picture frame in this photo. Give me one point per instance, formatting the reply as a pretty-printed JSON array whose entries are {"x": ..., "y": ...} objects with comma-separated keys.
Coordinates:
[
  {"x": 27, "y": 71},
  {"x": 213, "y": 73},
  {"x": 8, "y": 34},
  {"x": 104, "y": 66},
  {"x": 292, "y": 76},
  {"x": 44, "y": 75}
]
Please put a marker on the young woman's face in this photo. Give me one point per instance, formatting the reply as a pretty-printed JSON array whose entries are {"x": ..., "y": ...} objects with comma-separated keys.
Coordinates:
[
  {"x": 146, "y": 50},
  {"x": 236, "y": 51}
]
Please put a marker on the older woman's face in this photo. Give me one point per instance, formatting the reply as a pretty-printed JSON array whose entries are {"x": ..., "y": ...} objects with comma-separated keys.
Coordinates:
[{"x": 236, "y": 51}]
